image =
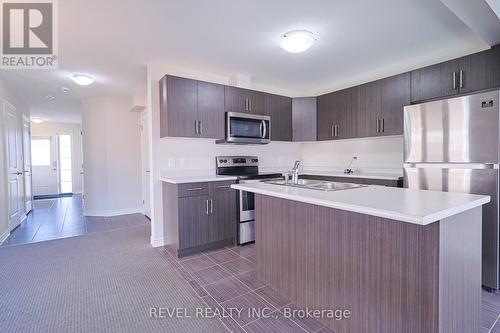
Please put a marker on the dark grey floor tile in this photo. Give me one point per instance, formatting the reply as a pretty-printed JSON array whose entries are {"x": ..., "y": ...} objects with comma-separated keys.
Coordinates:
[
  {"x": 245, "y": 251},
  {"x": 210, "y": 275},
  {"x": 226, "y": 289},
  {"x": 250, "y": 280},
  {"x": 272, "y": 296},
  {"x": 222, "y": 256},
  {"x": 238, "y": 266},
  {"x": 197, "y": 288},
  {"x": 307, "y": 323},
  {"x": 44, "y": 237},
  {"x": 232, "y": 326},
  {"x": 250, "y": 307},
  {"x": 275, "y": 323},
  {"x": 198, "y": 263},
  {"x": 325, "y": 330}
]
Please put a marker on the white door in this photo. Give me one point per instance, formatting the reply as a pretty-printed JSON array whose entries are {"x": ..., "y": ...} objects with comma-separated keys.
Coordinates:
[
  {"x": 44, "y": 165},
  {"x": 28, "y": 192},
  {"x": 146, "y": 170},
  {"x": 14, "y": 166}
]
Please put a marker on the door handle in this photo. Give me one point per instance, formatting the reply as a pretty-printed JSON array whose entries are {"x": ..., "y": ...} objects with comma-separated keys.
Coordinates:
[
  {"x": 19, "y": 173},
  {"x": 264, "y": 126}
]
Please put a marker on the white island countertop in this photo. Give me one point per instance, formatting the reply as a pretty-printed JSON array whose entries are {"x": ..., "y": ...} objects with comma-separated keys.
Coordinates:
[
  {"x": 356, "y": 174},
  {"x": 401, "y": 204}
]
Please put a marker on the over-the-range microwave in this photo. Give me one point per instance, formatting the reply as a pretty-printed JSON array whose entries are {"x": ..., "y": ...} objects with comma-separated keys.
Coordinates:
[{"x": 244, "y": 128}]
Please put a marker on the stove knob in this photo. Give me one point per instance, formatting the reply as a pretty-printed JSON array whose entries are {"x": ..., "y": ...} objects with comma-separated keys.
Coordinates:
[
  {"x": 225, "y": 161},
  {"x": 221, "y": 161},
  {"x": 255, "y": 160}
]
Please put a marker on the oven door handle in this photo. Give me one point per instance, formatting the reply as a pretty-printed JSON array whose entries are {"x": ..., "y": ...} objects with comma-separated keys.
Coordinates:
[{"x": 264, "y": 129}]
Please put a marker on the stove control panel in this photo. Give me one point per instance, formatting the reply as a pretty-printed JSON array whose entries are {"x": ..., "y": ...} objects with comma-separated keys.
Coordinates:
[{"x": 235, "y": 161}]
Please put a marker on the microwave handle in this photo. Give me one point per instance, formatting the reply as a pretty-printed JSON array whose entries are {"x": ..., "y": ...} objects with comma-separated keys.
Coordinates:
[{"x": 264, "y": 129}]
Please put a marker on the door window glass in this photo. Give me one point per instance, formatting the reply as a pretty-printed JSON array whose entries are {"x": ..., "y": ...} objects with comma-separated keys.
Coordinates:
[{"x": 40, "y": 152}]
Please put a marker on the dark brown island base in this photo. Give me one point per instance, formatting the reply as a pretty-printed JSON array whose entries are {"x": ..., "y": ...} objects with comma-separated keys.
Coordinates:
[{"x": 413, "y": 269}]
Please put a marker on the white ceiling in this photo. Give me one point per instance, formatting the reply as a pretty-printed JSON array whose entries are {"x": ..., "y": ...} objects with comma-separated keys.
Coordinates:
[{"x": 358, "y": 41}]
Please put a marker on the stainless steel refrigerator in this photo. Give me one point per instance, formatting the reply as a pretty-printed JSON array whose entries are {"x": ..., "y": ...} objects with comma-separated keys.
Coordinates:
[{"x": 453, "y": 146}]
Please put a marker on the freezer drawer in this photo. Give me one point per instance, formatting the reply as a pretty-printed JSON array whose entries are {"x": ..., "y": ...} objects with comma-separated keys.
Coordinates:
[
  {"x": 458, "y": 130},
  {"x": 482, "y": 179},
  {"x": 246, "y": 232}
]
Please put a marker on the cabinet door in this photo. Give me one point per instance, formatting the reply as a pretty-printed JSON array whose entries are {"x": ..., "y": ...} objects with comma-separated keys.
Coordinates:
[
  {"x": 304, "y": 119},
  {"x": 394, "y": 96},
  {"x": 257, "y": 102},
  {"x": 345, "y": 109},
  {"x": 279, "y": 108},
  {"x": 440, "y": 80},
  {"x": 194, "y": 221},
  {"x": 480, "y": 71},
  {"x": 369, "y": 111},
  {"x": 235, "y": 99},
  {"x": 178, "y": 106},
  {"x": 223, "y": 218},
  {"x": 325, "y": 117},
  {"x": 211, "y": 110}
]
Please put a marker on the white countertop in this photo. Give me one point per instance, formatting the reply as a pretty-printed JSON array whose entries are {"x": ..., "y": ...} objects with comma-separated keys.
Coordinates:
[
  {"x": 182, "y": 179},
  {"x": 356, "y": 174},
  {"x": 412, "y": 206}
]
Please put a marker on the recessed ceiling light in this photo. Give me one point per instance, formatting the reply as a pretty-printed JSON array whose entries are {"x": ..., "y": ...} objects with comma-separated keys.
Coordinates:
[
  {"x": 82, "y": 79},
  {"x": 65, "y": 90},
  {"x": 36, "y": 120},
  {"x": 50, "y": 97},
  {"x": 297, "y": 41}
]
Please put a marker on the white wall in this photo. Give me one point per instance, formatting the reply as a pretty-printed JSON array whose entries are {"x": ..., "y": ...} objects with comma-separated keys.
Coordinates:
[
  {"x": 380, "y": 154},
  {"x": 112, "y": 157},
  {"x": 49, "y": 128},
  {"x": 21, "y": 108}
]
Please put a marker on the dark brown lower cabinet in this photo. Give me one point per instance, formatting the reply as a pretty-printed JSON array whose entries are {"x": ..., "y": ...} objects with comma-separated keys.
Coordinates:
[{"x": 199, "y": 216}]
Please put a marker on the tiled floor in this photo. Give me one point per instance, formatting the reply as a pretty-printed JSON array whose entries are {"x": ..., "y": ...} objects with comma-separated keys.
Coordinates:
[
  {"x": 224, "y": 279},
  {"x": 63, "y": 217}
]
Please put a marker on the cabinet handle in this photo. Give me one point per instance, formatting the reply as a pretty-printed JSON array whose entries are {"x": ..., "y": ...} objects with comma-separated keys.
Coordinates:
[
  {"x": 461, "y": 79},
  {"x": 378, "y": 125},
  {"x": 246, "y": 103},
  {"x": 454, "y": 80},
  {"x": 336, "y": 130},
  {"x": 195, "y": 189},
  {"x": 200, "y": 127},
  {"x": 249, "y": 104},
  {"x": 195, "y": 127},
  {"x": 383, "y": 124},
  {"x": 206, "y": 207},
  {"x": 223, "y": 186},
  {"x": 211, "y": 206},
  {"x": 333, "y": 131}
]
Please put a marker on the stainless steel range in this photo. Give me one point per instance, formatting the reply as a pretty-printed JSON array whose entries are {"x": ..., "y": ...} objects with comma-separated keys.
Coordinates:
[{"x": 246, "y": 168}]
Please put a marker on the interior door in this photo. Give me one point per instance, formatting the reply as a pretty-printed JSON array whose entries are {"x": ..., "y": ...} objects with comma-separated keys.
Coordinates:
[
  {"x": 466, "y": 178},
  {"x": 44, "y": 165},
  {"x": 28, "y": 192},
  {"x": 14, "y": 165},
  {"x": 146, "y": 168}
]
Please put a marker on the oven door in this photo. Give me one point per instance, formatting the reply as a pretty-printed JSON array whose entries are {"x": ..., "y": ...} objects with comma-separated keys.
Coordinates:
[
  {"x": 248, "y": 128},
  {"x": 247, "y": 203}
]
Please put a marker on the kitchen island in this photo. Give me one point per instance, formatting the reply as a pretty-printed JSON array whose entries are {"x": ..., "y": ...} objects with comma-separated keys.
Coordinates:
[{"x": 398, "y": 260}]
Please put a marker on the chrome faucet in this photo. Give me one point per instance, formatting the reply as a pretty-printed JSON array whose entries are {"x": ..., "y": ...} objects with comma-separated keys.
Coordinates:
[
  {"x": 348, "y": 170},
  {"x": 295, "y": 172}
]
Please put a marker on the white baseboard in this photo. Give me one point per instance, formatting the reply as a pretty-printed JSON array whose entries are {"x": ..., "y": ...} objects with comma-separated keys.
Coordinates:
[
  {"x": 157, "y": 242},
  {"x": 4, "y": 236},
  {"x": 113, "y": 212}
]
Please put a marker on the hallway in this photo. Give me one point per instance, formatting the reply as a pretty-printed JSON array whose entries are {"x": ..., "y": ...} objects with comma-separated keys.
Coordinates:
[{"x": 63, "y": 217}]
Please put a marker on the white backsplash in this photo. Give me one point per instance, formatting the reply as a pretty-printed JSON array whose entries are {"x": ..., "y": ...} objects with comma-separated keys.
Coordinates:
[{"x": 381, "y": 154}]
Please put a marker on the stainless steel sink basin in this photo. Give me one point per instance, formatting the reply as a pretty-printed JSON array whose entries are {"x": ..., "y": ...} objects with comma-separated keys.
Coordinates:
[{"x": 318, "y": 185}]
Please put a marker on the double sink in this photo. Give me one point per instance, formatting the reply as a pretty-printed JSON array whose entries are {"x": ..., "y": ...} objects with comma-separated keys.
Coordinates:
[{"x": 320, "y": 185}]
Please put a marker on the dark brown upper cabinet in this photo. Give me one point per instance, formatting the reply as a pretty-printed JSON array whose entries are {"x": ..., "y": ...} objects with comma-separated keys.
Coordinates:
[
  {"x": 369, "y": 109},
  {"x": 480, "y": 71},
  {"x": 191, "y": 108},
  {"x": 279, "y": 108},
  {"x": 336, "y": 115},
  {"x": 304, "y": 119},
  {"x": 440, "y": 80},
  {"x": 178, "y": 107},
  {"x": 244, "y": 100},
  {"x": 211, "y": 110},
  {"x": 394, "y": 96}
]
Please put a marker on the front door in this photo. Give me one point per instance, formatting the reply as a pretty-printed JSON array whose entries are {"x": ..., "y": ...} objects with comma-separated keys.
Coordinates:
[
  {"x": 14, "y": 166},
  {"x": 28, "y": 192},
  {"x": 44, "y": 165}
]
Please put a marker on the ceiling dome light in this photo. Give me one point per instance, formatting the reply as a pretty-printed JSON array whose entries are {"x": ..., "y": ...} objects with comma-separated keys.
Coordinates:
[
  {"x": 36, "y": 120},
  {"x": 82, "y": 79},
  {"x": 297, "y": 41}
]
